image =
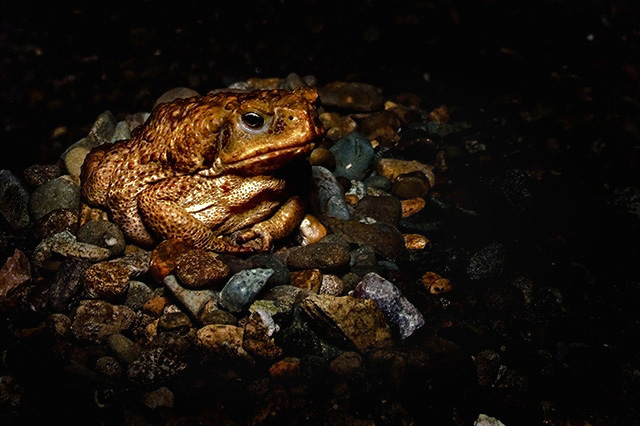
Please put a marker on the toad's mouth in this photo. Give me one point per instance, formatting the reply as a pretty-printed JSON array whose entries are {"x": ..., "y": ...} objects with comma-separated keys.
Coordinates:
[{"x": 264, "y": 162}]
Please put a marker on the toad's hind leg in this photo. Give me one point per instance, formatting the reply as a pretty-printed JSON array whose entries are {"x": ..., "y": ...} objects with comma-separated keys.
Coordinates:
[{"x": 168, "y": 219}]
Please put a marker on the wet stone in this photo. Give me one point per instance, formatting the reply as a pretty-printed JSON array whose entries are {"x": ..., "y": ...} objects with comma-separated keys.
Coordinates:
[
  {"x": 65, "y": 244},
  {"x": 286, "y": 296},
  {"x": 242, "y": 288},
  {"x": 322, "y": 157},
  {"x": 378, "y": 182},
  {"x": 103, "y": 128},
  {"x": 405, "y": 318},
  {"x": 155, "y": 305},
  {"x": 412, "y": 206},
  {"x": 285, "y": 369},
  {"x": 14, "y": 201},
  {"x": 329, "y": 199},
  {"x": 391, "y": 168},
  {"x": 39, "y": 174},
  {"x": 155, "y": 365},
  {"x": 488, "y": 262},
  {"x": 353, "y": 156},
  {"x": 103, "y": 234},
  {"x": 200, "y": 269},
  {"x": 410, "y": 186},
  {"x": 96, "y": 320},
  {"x": 351, "y": 96},
  {"x": 211, "y": 314},
  {"x": 165, "y": 256},
  {"x": 382, "y": 126},
  {"x": 311, "y": 230},
  {"x": 258, "y": 336},
  {"x": 384, "y": 209},
  {"x": 109, "y": 367},
  {"x": 322, "y": 256},
  {"x": 59, "y": 193},
  {"x": 56, "y": 221}
]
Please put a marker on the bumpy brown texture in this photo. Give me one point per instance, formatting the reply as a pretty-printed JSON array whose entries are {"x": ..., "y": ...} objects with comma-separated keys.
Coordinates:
[{"x": 197, "y": 170}]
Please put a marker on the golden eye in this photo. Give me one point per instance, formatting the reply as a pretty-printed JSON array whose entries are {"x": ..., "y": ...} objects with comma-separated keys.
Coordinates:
[{"x": 253, "y": 120}]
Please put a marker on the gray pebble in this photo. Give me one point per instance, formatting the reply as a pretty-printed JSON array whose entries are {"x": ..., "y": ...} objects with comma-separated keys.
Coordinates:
[
  {"x": 242, "y": 288},
  {"x": 14, "y": 200},
  {"x": 59, "y": 193},
  {"x": 103, "y": 234}
]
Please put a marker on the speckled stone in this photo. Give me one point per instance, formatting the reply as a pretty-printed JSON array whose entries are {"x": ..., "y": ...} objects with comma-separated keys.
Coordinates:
[
  {"x": 103, "y": 234},
  {"x": 328, "y": 198},
  {"x": 322, "y": 256},
  {"x": 14, "y": 200},
  {"x": 65, "y": 244},
  {"x": 383, "y": 209},
  {"x": 96, "y": 320},
  {"x": 308, "y": 279},
  {"x": 242, "y": 288},
  {"x": 331, "y": 285},
  {"x": 405, "y": 318},
  {"x": 59, "y": 193},
  {"x": 66, "y": 283},
  {"x": 39, "y": 174},
  {"x": 56, "y": 221},
  {"x": 200, "y": 269},
  {"x": 225, "y": 340},
  {"x": 126, "y": 350},
  {"x": 138, "y": 293},
  {"x": 311, "y": 230}
]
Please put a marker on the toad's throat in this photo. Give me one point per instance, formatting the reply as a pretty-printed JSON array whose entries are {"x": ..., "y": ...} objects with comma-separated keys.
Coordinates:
[{"x": 259, "y": 163}]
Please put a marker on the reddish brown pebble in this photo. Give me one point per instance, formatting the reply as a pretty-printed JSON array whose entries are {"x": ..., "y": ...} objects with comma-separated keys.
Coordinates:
[
  {"x": 106, "y": 280},
  {"x": 165, "y": 257},
  {"x": 285, "y": 369},
  {"x": 412, "y": 206},
  {"x": 155, "y": 306},
  {"x": 435, "y": 284},
  {"x": 309, "y": 279},
  {"x": 311, "y": 230},
  {"x": 200, "y": 269},
  {"x": 352, "y": 199},
  {"x": 415, "y": 241}
]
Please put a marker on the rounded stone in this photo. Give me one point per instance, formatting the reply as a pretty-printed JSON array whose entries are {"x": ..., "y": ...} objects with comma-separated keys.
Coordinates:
[
  {"x": 103, "y": 234},
  {"x": 200, "y": 269},
  {"x": 59, "y": 193},
  {"x": 175, "y": 321},
  {"x": 269, "y": 261},
  {"x": 347, "y": 364},
  {"x": 39, "y": 174},
  {"x": 319, "y": 256},
  {"x": 106, "y": 280},
  {"x": 311, "y": 230},
  {"x": 352, "y": 96},
  {"x": 138, "y": 294},
  {"x": 109, "y": 367},
  {"x": 322, "y": 157},
  {"x": 378, "y": 182},
  {"x": 13, "y": 201},
  {"x": 175, "y": 93},
  {"x": 410, "y": 186},
  {"x": 242, "y": 288},
  {"x": 56, "y": 221}
]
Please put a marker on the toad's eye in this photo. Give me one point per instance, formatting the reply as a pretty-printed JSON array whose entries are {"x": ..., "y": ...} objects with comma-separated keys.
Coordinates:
[{"x": 253, "y": 120}]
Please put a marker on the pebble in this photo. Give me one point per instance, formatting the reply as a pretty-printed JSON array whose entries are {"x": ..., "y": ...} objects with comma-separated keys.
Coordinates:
[
  {"x": 308, "y": 279},
  {"x": 347, "y": 364},
  {"x": 411, "y": 206},
  {"x": 242, "y": 288},
  {"x": 155, "y": 305},
  {"x": 351, "y": 96},
  {"x": 258, "y": 336},
  {"x": 165, "y": 257},
  {"x": 338, "y": 126},
  {"x": 74, "y": 157},
  {"x": 382, "y": 126},
  {"x": 175, "y": 321},
  {"x": 385, "y": 239},
  {"x": 109, "y": 367},
  {"x": 378, "y": 182},
  {"x": 286, "y": 297},
  {"x": 487, "y": 365},
  {"x": 488, "y": 262},
  {"x": 103, "y": 234},
  {"x": 484, "y": 420},
  {"x": 59, "y": 193},
  {"x": 60, "y": 324},
  {"x": 322, "y": 256},
  {"x": 211, "y": 314},
  {"x": 175, "y": 93},
  {"x": 103, "y": 128},
  {"x": 122, "y": 132},
  {"x": 109, "y": 280},
  {"x": 66, "y": 283},
  {"x": 257, "y": 83},
  {"x": 125, "y": 349},
  {"x": 329, "y": 199},
  {"x": 293, "y": 81},
  {"x": 358, "y": 321},
  {"x": 155, "y": 365},
  {"x": 408, "y": 186},
  {"x": 404, "y": 316},
  {"x": 391, "y": 168},
  {"x": 138, "y": 294},
  {"x": 331, "y": 285},
  {"x": 56, "y": 221},
  {"x": 161, "y": 397},
  {"x": 416, "y": 241},
  {"x": 39, "y": 174},
  {"x": 435, "y": 284},
  {"x": 322, "y": 157},
  {"x": 270, "y": 261},
  {"x": 96, "y": 320},
  {"x": 15, "y": 272},
  {"x": 384, "y": 209},
  {"x": 285, "y": 369},
  {"x": 224, "y": 340},
  {"x": 311, "y": 230},
  {"x": 353, "y": 156},
  {"x": 14, "y": 201},
  {"x": 200, "y": 269},
  {"x": 192, "y": 300},
  {"x": 65, "y": 244}
]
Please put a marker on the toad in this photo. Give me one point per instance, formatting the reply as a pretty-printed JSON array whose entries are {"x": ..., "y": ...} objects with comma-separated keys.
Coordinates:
[{"x": 212, "y": 170}]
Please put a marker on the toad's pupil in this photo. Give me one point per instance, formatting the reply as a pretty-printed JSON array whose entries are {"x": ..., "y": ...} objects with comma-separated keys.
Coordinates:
[{"x": 253, "y": 120}]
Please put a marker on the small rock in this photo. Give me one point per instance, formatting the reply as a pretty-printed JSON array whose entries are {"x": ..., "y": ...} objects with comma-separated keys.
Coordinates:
[
  {"x": 65, "y": 244},
  {"x": 161, "y": 397},
  {"x": 257, "y": 83},
  {"x": 175, "y": 321},
  {"x": 271, "y": 261},
  {"x": 412, "y": 206},
  {"x": 15, "y": 272},
  {"x": 382, "y": 126},
  {"x": 155, "y": 365},
  {"x": 155, "y": 306},
  {"x": 286, "y": 296},
  {"x": 109, "y": 367},
  {"x": 353, "y": 155},
  {"x": 351, "y": 96},
  {"x": 225, "y": 340},
  {"x": 378, "y": 182},
  {"x": 60, "y": 324},
  {"x": 338, "y": 126},
  {"x": 384, "y": 209},
  {"x": 328, "y": 198},
  {"x": 103, "y": 128},
  {"x": 38, "y": 174},
  {"x": 391, "y": 168},
  {"x": 14, "y": 201},
  {"x": 123, "y": 348},
  {"x": 488, "y": 262},
  {"x": 96, "y": 320},
  {"x": 322, "y": 157},
  {"x": 74, "y": 157},
  {"x": 347, "y": 364},
  {"x": 357, "y": 321},
  {"x": 138, "y": 294},
  {"x": 67, "y": 283},
  {"x": 258, "y": 332},
  {"x": 487, "y": 367},
  {"x": 311, "y": 230},
  {"x": 59, "y": 193},
  {"x": 331, "y": 285},
  {"x": 363, "y": 256},
  {"x": 309, "y": 279},
  {"x": 319, "y": 256},
  {"x": 242, "y": 288},
  {"x": 285, "y": 369},
  {"x": 415, "y": 241},
  {"x": 175, "y": 93},
  {"x": 484, "y": 420},
  {"x": 106, "y": 280},
  {"x": 193, "y": 300},
  {"x": 103, "y": 234},
  {"x": 397, "y": 309},
  {"x": 56, "y": 221},
  {"x": 200, "y": 269},
  {"x": 122, "y": 132},
  {"x": 165, "y": 256},
  {"x": 211, "y": 314},
  {"x": 435, "y": 284},
  {"x": 408, "y": 186},
  {"x": 385, "y": 239},
  {"x": 293, "y": 81}
]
